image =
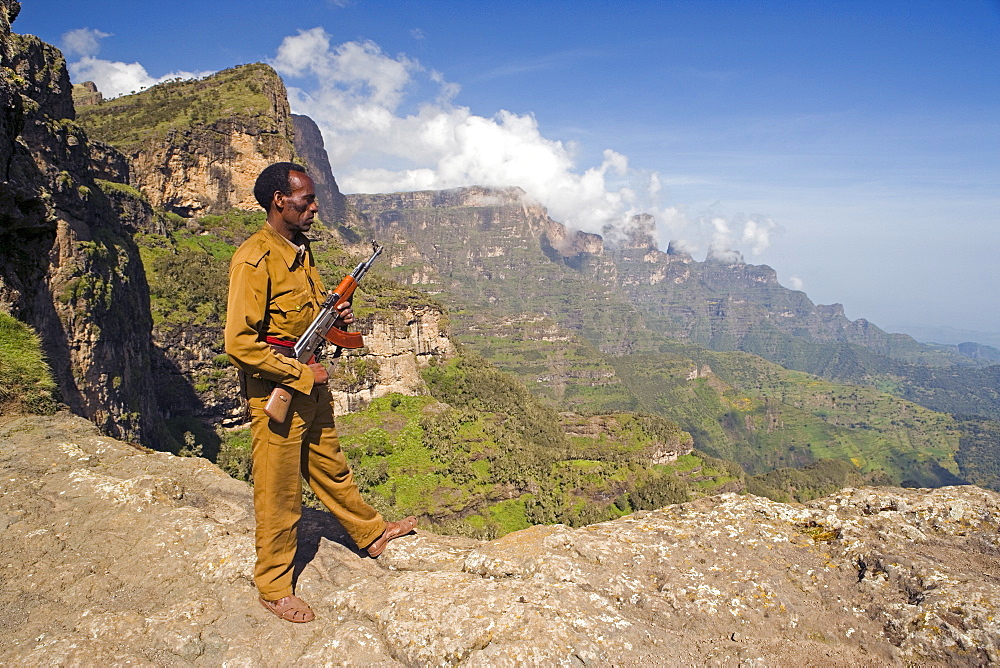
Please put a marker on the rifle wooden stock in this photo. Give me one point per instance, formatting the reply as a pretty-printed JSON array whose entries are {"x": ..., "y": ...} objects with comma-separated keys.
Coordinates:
[{"x": 335, "y": 335}]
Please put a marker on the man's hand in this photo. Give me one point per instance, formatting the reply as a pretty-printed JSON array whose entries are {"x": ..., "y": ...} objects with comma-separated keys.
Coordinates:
[
  {"x": 320, "y": 376},
  {"x": 346, "y": 316}
]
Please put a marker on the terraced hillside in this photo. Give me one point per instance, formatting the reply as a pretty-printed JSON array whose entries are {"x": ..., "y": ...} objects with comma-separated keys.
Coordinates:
[{"x": 564, "y": 314}]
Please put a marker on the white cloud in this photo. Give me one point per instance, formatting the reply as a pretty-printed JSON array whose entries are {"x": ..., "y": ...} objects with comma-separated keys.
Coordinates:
[
  {"x": 358, "y": 71},
  {"x": 389, "y": 124},
  {"x": 729, "y": 235},
  {"x": 756, "y": 234},
  {"x": 118, "y": 78},
  {"x": 355, "y": 93},
  {"x": 113, "y": 78},
  {"x": 795, "y": 283},
  {"x": 82, "y": 42}
]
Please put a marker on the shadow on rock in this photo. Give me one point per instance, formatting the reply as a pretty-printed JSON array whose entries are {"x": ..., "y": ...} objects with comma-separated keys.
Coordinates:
[{"x": 315, "y": 526}]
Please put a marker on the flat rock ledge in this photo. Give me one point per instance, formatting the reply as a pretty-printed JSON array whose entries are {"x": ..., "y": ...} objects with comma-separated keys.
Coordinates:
[{"x": 115, "y": 555}]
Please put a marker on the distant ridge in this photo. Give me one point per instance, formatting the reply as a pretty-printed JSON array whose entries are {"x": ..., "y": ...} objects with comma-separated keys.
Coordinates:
[{"x": 947, "y": 335}]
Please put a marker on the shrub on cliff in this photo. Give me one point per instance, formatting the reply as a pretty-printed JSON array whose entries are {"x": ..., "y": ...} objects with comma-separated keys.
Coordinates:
[{"x": 26, "y": 384}]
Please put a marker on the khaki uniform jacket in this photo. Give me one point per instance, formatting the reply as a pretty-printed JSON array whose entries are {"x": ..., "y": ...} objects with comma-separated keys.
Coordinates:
[{"x": 273, "y": 291}]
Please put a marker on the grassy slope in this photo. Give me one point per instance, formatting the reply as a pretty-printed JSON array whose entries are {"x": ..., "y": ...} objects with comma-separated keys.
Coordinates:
[
  {"x": 155, "y": 114},
  {"x": 26, "y": 383},
  {"x": 493, "y": 459}
]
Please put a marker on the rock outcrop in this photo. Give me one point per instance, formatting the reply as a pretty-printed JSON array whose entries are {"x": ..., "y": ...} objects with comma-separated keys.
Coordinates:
[
  {"x": 115, "y": 555},
  {"x": 203, "y": 142},
  {"x": 397, "y": 346},
  {"x": 68, "y": 265},
  {"x": 334, "y": 209},
  {"x": 86, "y": 94}
]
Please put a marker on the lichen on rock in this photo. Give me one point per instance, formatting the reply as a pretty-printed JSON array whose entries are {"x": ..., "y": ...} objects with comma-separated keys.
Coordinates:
[{"x": 115, "y": 555}]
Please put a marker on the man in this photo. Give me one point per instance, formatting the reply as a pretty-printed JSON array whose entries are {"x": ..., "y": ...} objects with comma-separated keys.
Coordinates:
[{"x": 274, "y": 293}]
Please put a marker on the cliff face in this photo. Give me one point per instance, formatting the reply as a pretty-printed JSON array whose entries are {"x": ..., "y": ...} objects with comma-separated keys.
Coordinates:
[
  {"x": 117, "y": 556},
  {"x": 398, "y": 346},
  {"x": 721, "y": 303},
  {"x": 309, "y": 145},
  {"x": 334, "y": 209},
  {"x": 69, "y": 266},
  {"x": 196, "y": 147}
]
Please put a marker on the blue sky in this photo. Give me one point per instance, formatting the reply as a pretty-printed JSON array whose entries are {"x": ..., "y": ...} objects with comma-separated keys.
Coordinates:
[{"x": 854, "y": 147}]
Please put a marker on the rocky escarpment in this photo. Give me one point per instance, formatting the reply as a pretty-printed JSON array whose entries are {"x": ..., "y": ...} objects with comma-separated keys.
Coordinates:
[
  {"x": 494, "y": 252},
  {"x": 333, "y": 206},
  {"x": 196, "y": 147},
  {"x": 398, "y": 344},
  {"x": 86, "y": 94},
  {"x": 722, "y": 303},
  {"x": 116, "y": 555},
  {"x": 68, "y": 266}
]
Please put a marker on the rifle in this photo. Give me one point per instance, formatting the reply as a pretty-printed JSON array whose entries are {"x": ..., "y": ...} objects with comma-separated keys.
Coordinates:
[{"x": 321, "y": 330}]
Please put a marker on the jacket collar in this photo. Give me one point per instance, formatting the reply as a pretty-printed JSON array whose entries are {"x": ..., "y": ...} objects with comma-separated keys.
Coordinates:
[{"x": 288, "y": 251}]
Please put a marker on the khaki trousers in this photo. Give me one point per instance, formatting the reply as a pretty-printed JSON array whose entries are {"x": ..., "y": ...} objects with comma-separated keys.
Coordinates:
[{"x": 307, "y": 445}]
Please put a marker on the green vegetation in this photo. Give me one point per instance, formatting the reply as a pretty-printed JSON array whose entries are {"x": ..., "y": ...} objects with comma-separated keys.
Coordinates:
[
  {"x": 875, "y": 431},
  {"x": 188, "y": 269},
  {"x": 105, "y": 265},
  {"x": 177, "y": 106},
  {"x": 581, "y": 345},
  {"x": 26, "y": 384},
  {"x": 494, "y": 459},
  {"x": 109, "y": 187},
  {"x": 482, "y": 456},
  {"x": 811, "y": 481},
  {"x": 979, "y": 453}
]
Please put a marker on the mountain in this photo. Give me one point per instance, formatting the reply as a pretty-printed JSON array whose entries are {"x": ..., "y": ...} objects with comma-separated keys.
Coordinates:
[
  {"x": 947, "y": 335},
  {"x": 196, "y": 147},
  {"x": 721, "y": 303},
  {"x": 595, "y": 326}
]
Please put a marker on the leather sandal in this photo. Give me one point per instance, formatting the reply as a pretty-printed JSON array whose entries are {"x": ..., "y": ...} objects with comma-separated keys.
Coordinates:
[
  {"x": 290, "y": 608},
  {"x": 392, "y": 530}
]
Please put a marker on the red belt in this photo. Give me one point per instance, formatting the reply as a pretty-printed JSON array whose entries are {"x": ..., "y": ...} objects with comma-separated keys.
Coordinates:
[
  {"x": 274, "y": 341},
  {"x": 285, "y": 348}
]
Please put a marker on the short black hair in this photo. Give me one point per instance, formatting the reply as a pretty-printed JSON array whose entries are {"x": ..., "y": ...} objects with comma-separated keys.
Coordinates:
[{"x": 273, "y": 179}]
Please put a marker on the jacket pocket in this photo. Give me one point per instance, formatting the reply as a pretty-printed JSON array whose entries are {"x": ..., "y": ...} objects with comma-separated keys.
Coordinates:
[
  {"x": 291, "y": 313},
  {"x": 291, "y": 303}
]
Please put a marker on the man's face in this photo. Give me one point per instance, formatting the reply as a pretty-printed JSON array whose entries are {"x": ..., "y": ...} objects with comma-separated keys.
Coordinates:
[{"x": 298, "y": 208}]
